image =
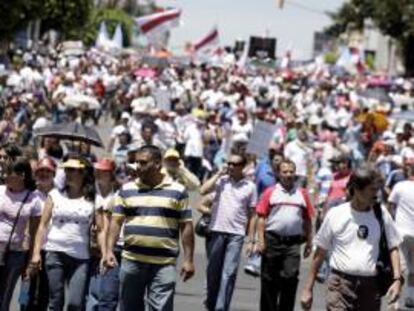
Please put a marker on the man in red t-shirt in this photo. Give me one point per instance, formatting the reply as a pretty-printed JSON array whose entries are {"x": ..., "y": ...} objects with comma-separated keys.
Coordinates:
[{"x": 284, "y": 224}]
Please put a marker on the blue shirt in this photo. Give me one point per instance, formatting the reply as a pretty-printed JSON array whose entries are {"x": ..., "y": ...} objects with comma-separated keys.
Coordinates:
[{"x": 264, "y": 176}]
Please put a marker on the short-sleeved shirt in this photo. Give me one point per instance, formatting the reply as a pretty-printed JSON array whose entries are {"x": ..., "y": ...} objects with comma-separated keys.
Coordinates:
[
  {"x": 233, "y": 204},
  {"x": 10, "y": 203},
  {"x": 285, "y": 210},
  {"x": 352, "y": 237},
  {"x": 70, "y": 224},
  {"x": 402, "y": 195},
  {"x": 152, "y": 220}
]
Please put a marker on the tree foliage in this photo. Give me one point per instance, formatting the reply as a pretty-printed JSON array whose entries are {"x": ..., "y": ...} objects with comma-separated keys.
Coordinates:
[
  {"x": 393, "y": 18},
  {"x": 14, "y": 15}
]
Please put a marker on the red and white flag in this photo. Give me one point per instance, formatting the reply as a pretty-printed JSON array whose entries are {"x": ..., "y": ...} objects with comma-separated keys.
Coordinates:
[
  {"x": 208, "y": 43},
  {"x": 154, "y": 26}
]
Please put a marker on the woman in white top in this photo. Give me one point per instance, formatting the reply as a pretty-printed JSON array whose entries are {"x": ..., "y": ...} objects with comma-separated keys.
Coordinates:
[
  {"x": 66, "y": 221},
  {"x": 44, "y": 174},
  {"x": 19, "y": 208}
]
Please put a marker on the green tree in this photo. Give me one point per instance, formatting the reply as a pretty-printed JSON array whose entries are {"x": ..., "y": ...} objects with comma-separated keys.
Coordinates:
[
  {"x": 67, "y": 16},
  {"x": 393, "y": 18},
  {"x": 14, "y": 15}
]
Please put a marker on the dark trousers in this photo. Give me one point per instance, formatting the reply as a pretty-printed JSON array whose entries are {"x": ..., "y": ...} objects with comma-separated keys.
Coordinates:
[
  {"x": 39, "y": 290},
  {"x": 279, "y": 275}
]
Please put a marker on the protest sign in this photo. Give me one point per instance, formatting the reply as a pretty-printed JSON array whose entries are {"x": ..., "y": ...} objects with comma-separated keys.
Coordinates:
[{"x": 259, "y": 141}]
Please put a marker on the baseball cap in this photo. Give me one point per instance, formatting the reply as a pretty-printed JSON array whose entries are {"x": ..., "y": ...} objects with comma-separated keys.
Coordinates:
[
  {"x": 73, "y": 163},
  {"x": 125, "y": 115},
  {"x": 46, "y": 163},
  {"x": 171, "y": 153},
  {"x": 105, "y": 165}
]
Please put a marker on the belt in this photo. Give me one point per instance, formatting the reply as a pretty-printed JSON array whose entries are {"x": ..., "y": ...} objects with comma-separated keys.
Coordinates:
[
  {"x": 287, "y": 239},
  {"x": 352, "y": 277}
]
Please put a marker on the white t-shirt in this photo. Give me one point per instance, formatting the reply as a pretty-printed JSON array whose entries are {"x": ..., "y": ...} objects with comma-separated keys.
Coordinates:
[
  {"x": 352, "y": 238},
  {"x": 402, "y": 195},
  {"x": 194, "y": 142},
  {"x": 70, "y": 225},
  {"x": 299, "y": 153}
]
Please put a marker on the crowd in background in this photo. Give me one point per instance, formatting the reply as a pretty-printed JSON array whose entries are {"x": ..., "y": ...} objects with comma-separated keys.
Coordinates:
[{"x": 58, "y": 195}]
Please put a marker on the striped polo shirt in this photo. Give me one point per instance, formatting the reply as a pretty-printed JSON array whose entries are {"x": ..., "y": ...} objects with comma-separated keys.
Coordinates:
[{"x": 152, "y": 219}]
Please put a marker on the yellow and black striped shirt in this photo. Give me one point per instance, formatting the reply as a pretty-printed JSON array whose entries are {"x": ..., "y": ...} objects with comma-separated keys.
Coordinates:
[{"x": 152, "y": 219}]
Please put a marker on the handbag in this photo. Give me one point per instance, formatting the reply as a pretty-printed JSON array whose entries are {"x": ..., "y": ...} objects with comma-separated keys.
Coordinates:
[
  {"x": 202, "y": 226},
  {"x": 385, "y": 276},
  {"x": 4, "y": 254}
]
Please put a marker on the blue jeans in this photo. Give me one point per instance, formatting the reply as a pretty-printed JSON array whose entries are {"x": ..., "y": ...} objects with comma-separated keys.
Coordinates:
[
  {"x": 222, "y": 267},
  {"x": 103, "y": 288},
  {"x": 147, "y": 284},
  {"x": 9, "y": 275},
  {"x": 64, "y": 270}
]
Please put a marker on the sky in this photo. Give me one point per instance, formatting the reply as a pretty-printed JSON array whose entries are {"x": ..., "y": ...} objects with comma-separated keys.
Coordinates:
[{"x": 293, "y": 26}]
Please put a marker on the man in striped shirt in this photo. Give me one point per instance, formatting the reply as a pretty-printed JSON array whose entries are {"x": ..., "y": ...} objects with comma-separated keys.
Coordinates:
[
  {"x": 154, "y": 210},
  {"x": 232, "y": 212}
]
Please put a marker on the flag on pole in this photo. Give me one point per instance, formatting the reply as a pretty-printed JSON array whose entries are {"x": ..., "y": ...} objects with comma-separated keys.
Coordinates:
[
  {"x": 208, "y": 42},
  {"x": 158, "y": 22}
]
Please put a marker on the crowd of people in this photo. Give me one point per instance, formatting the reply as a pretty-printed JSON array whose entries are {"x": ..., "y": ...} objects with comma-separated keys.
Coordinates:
[{"x": 94, "y": 229}]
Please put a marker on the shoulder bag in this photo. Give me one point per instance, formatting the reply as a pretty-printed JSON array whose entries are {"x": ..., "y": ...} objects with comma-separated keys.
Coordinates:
[
  {"x": 3, "y": 257},
  {"x": 384, "y": 269}
]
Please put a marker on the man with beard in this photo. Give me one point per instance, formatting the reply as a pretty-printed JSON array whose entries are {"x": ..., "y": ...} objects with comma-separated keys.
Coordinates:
[{"x": 284, "y": 224}]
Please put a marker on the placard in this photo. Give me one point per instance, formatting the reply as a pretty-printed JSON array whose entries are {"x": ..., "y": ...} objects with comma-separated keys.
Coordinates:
[{"x": 261, "y": 137}]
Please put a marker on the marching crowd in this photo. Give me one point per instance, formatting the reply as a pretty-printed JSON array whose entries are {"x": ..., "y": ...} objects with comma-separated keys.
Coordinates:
[{"x": 86, "y": 229}]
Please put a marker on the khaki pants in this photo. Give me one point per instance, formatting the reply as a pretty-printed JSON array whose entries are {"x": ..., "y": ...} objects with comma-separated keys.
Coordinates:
[{"x": 352, "y": 293}]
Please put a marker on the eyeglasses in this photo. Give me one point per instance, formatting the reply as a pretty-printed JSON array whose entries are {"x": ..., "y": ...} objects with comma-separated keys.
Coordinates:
[{"x": 234, "y": 163}]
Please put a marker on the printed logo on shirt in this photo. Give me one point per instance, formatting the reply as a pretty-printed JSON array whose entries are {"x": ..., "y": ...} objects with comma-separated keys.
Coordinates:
[{"x": 363, "y": 232}]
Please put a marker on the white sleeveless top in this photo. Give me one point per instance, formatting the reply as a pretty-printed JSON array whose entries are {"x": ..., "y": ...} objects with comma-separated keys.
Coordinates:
[{"x": 70, "y": 225}]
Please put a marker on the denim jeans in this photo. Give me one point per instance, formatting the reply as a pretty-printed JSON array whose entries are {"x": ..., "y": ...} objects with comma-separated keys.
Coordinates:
[
  {"x": 9, "y": 275},
  {"x": 103, "y": 288},
  {"x": 147, "y": 284},
  {"x": 64, "y": 270},
  {"x": 223, "y": 263}
]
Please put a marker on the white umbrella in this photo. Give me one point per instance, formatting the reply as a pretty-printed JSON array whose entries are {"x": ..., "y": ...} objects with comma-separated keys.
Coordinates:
[{"x": 78, "y": 99}]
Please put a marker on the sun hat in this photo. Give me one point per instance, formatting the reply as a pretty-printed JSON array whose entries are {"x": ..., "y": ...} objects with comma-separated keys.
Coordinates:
[{"x": 73, "y": 163}]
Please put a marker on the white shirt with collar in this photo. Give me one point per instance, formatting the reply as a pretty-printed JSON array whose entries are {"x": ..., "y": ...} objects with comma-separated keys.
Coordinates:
[{"x": 232, "y": 205}]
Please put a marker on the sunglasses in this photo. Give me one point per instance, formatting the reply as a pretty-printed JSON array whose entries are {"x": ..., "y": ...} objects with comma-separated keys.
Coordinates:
[{"x": 235, "y": 163}]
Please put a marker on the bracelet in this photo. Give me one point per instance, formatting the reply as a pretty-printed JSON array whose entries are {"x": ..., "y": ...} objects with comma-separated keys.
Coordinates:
[
  {"x": 251, "y": 241},
  {"x": 397, "y": 279}
]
